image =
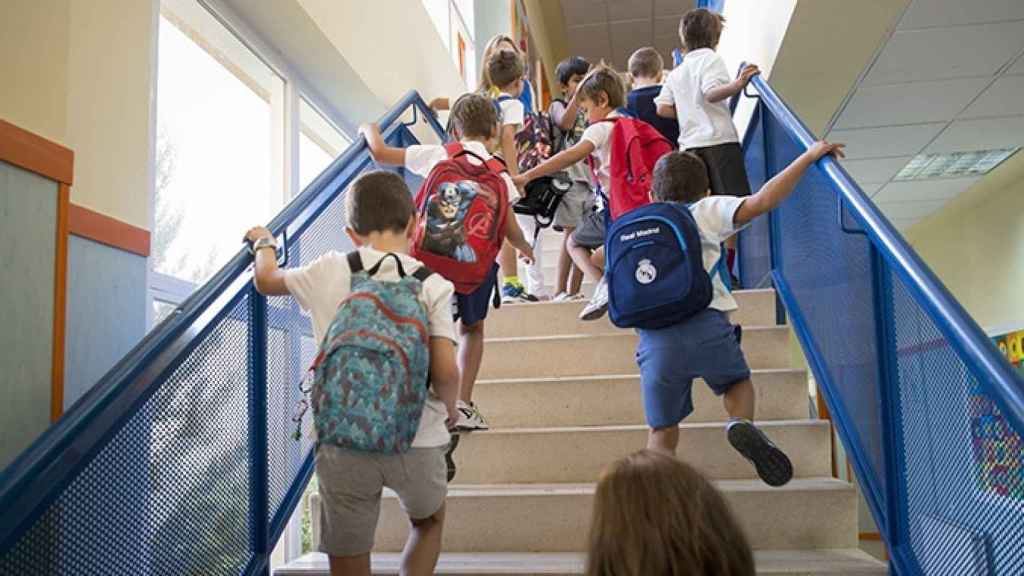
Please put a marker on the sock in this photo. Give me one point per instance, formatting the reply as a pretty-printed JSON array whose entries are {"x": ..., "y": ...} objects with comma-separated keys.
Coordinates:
[{"x": 513, "y": 281}]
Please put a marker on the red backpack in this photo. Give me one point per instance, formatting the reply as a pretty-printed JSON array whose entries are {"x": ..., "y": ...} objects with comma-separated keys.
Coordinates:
[
  {"x": 636, "y": 148},
  {"x": 462, "y": 209}
]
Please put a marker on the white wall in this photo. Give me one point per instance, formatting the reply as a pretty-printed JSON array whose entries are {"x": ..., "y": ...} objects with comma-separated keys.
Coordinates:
[{"x": 754, "y": 30}]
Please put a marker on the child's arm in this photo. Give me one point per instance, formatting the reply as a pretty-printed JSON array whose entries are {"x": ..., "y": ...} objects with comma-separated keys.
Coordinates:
[
  {"x": 508, "y": 148},
  {"x": 572, "y": 108},
  {"x": 733, "y": 88},
  {"x": 666, "y": 110},
  {"x": 381, "y": 152},
  {"x": 514, "y": 235},
  {"x": 269, "y": 278},
  {"x": 438, "y": 104},
  {"x": 444, "y": 374},
  {"x": 781, "y": 186},
  {"x": 557, "y": 163}
]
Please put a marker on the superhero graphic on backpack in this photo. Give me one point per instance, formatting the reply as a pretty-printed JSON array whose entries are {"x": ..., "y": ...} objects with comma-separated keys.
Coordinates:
[{"x": 446, "y": 213}]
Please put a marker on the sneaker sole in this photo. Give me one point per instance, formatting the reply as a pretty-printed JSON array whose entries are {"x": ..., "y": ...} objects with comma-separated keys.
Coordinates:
[
  {"x": 772, "y": 464},
  {"x": 595, "y": 314},
  {"x": 464, "y": 428},
  {"x": 449, "y": 461}
]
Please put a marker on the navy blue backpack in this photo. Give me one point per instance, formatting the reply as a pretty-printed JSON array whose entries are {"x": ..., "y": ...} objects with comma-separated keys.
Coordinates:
[{"x": 655, "y": 270}]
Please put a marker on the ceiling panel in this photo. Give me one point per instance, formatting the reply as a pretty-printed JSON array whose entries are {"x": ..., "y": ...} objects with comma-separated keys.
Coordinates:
[
  {"x": 589, "y": 41},
  {"x": 921, "y": 190},
  {"x": 619, "y": 10},
  {"x": 579, "y": 12},
  {"x": 886, "y": 141},
  {"x": 903, "y": 223},
  {"x": 871, "y": 188},
  {"x": 932, "y": 13},
  {"x": 910, "y": 209},
  {"x": 912, "y": 103},
  {"x": 875, "y": 170},
  {"x": 983, "y": 134},
  {"x": 627, "y": 37},
  {"x": 1005, "y": 97},
  {"x": 938, "y": 53},
  {"x": 1017, "y": 68}
]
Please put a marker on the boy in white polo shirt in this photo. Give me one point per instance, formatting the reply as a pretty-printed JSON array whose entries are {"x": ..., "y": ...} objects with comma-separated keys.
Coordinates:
[{"x": 697, "y": 94}]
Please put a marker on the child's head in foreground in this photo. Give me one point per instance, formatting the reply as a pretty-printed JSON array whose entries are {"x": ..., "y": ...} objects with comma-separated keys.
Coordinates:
[
  {"x": 646, "y": 64},
  {"x": 701, "y": 28},
  {"x": 680, "y": 177},
  {"x": 505, "y": 68},
  {"x": 656, "y": 516},
  {"x": 474, "y": 117},
  {"x": 570, "y": 73},
  {"x": 601, "y": 92},
  {"x": 378, "y": 202}
]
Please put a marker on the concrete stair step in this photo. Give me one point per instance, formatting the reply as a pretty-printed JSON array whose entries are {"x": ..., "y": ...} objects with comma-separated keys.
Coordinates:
[
  {"x": 805, "y": 514},
  {"x": 578, "y": 455},
  {"x": 602, "y": 354},
  {"x": 612, "y": 400},
  {"x": 846, "y": 562},
  {"x": 757, "y": 308}
]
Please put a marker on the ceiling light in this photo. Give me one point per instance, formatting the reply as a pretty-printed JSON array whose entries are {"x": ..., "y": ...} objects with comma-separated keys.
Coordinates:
[{"x": 955, "y": 165}]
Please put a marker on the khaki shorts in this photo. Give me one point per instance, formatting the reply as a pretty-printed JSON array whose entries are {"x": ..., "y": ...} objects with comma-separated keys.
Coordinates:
[
  {"x": 577, "y": 201},
  {"x": 351, "y": 484}
]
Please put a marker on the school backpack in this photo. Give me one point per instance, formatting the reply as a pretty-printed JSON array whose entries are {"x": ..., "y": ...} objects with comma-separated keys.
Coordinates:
[
  {"x": 655, "y": 270},
  {"x": 370, "y": 377},
  {"x": 462, "y": 209},
  {"x": 535, "y": 140},
  {"x": 636, "y": 148}
]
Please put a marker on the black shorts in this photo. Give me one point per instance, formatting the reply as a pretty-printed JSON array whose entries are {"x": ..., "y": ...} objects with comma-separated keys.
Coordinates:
[
  {"x": 727, "y": 172},
  {"x": 472, "y": 308}
]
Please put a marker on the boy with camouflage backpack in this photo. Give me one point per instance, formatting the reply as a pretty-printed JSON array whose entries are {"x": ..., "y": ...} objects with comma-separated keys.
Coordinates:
[{"x": 386, "y": 379}]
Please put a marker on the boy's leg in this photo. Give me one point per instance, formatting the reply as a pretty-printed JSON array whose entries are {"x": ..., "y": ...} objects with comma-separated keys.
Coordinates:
[
  {"x": 565, "y": 264},
  {"x": 535, "y": 284},
  {"x": 471, "y": 353},
  {"x": 664, "y": 440},
  {"x": 739, "y": 400},
  {"x": 581, "y": 258},
  {"x": 665, "y": 385},
  {"x": 350, "y": 490},
  {"x": 350, "y": 565},
  {"x": 419, "y": 479},
  {"x": 423, "y": 546}
]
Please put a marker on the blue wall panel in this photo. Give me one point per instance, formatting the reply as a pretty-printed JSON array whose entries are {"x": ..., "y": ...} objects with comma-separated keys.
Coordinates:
[
  {"x": 28, "y": 220},
  {"x": 106, "y": 311}
]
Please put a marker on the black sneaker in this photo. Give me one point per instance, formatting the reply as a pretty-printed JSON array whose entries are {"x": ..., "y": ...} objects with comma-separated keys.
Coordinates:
[
  {"x": 448, "y": 460},
  {"x": 772, "y": 464}
]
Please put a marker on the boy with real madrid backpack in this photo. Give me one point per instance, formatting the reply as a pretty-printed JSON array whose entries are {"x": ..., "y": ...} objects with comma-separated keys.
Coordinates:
[
  {"x": 666, "y": 278},
  {"x": 385, "y": 378}
]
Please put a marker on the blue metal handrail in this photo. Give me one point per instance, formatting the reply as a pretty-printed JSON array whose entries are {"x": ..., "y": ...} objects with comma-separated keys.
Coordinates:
[
  {"x": 930, "y": 413},
  {"x": 956, "y": 324},
  {"x": 38, "y": 475}
]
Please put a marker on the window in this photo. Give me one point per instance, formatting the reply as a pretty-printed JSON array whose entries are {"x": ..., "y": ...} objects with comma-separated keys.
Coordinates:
[
  {"x": 319, "y": 143},
  {"x": 454, "y": 20},
  {"x": 215, "y": 147}
]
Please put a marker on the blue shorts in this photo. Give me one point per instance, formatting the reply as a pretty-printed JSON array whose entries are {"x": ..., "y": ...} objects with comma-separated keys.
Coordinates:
[
  {"x": 703, "y": 346},
  {"x": 472, "y": 308}
]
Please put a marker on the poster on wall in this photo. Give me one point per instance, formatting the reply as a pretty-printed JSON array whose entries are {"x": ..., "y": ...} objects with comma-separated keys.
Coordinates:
[{"x": 998, "y": 450}]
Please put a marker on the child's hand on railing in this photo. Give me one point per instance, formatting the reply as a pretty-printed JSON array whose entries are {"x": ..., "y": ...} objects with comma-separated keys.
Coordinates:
[
  {"x": 821, "y": 148},
  {"x": 257, "y": 232},
  {"x": 748, "y": 72}
]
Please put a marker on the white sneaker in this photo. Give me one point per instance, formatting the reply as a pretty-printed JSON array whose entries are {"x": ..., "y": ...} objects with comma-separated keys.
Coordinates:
[
  {"x": 565, "y": 297},
  {"x": 598, "y": 305},
  {"x": 469, "y": 418}
]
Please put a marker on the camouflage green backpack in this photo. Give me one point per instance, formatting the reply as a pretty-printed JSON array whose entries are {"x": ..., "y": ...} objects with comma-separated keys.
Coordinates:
[{"x": 371, "y": 376}]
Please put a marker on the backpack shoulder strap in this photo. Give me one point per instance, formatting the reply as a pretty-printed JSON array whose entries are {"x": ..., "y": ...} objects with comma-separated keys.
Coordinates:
[
  {"x": 355, "y": 262},
  {"x": 496, "y": 165},
  {"x": 422, "y": 273},
  {"x": 454, "y": 149}
]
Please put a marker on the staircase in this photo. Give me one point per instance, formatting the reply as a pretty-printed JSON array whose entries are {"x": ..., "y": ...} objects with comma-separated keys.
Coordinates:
[{"x": 563, "y": 399}]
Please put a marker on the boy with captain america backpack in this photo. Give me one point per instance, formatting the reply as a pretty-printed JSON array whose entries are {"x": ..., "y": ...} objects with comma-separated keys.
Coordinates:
[
  {"x": 665, "y": 280},
  {"x": 464, "y": 220},
  {"x": 385, "y": 378}
]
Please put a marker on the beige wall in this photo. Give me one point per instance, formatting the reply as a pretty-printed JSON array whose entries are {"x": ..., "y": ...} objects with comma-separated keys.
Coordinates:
[
  {"x": 391, "y": 44},
  {"x": 79, "y": 73},
  {"x": 976, "y": 246}
]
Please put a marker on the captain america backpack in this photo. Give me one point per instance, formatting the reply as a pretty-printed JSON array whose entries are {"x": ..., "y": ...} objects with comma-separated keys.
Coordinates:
[{"x": 655, "y": 268}]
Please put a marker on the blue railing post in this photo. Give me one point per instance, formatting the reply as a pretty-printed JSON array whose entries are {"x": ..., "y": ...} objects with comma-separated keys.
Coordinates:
[
  {"x": 259, "y": 491},
  {"x": 895, "y": 521}
]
